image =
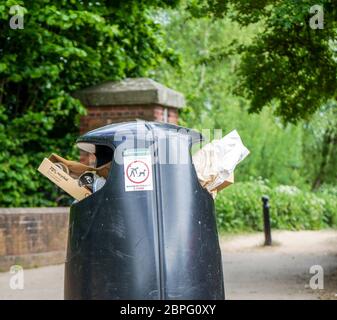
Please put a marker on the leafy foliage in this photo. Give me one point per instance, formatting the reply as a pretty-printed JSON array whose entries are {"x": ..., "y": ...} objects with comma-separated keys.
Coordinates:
[
  {"x": 207, "y": 76},
  {"x": 288, "y": 65},
  {"x": 239, "y": 207},
  {"x": 63, "y": 47},
  {"x": 288, "y": 155},
  {"x": 320, "y": 146}
]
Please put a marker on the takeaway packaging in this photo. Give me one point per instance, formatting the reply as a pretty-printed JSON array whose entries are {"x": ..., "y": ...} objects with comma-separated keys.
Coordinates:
[
  {"x": 66, "y": 173},
  {"x": 216, "y": 161},
  {"x": 214, "y": 164},
  {"x": 63, "y": 180}
]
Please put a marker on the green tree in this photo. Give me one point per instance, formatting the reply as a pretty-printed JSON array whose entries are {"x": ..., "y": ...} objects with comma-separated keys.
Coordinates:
[
  {"x": 64, "y": 46},
  {"x": 289, "y": 65},
  {"x": 320, "y": 146},
  {"x": 207, "y": 75}
]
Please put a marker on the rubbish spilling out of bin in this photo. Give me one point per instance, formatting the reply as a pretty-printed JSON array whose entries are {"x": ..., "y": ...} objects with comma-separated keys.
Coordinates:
[
  {"x": 75, "y": 178},
  {"x": 214, "y": 163}
]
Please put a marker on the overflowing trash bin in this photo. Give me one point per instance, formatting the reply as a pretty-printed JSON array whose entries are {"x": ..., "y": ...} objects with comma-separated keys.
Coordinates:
[{"x": 146, "y": 228}]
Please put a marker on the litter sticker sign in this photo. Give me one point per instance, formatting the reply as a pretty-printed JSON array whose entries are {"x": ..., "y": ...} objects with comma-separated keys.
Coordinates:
[{"x": 137, "y": 170}]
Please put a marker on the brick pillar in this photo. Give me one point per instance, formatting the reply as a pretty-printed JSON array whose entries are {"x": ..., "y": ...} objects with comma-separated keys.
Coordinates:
[{"x": 130, "y": 99}]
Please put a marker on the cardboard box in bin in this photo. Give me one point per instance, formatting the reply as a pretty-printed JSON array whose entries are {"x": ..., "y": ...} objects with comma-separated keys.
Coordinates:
[
  {"x": 68, "y": 181},
  {"x": 63, "y": 180},
  {"x": 77, "y": 168}
]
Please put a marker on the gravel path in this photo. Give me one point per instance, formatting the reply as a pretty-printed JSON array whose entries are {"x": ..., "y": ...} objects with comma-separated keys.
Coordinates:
[{"x": 251, "y": 271}]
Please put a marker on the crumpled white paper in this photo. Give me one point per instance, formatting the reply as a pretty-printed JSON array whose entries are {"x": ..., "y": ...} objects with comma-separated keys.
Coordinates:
[{"x": 216, "y": 161}]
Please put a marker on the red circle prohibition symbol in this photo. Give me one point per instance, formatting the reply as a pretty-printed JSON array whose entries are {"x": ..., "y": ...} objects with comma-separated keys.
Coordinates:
[{"x": 133, "y": 162}]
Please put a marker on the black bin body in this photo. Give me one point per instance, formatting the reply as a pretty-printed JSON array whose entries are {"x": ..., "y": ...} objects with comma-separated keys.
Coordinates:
[{"x": 151, "y": 244}]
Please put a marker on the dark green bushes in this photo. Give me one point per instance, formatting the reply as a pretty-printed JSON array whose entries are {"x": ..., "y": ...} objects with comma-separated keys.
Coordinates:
[{"x": 239, "y": 208}]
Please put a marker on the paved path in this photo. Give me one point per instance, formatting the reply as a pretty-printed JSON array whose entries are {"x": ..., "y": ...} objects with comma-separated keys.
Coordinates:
[{"x": 251, "y": 271}]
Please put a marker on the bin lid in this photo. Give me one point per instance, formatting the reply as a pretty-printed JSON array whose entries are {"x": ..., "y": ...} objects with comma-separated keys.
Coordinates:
[{"x": 108, "y": 134}]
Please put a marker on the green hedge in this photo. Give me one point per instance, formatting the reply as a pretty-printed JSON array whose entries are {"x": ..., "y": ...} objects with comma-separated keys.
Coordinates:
[{"x": 239, "y": 207}]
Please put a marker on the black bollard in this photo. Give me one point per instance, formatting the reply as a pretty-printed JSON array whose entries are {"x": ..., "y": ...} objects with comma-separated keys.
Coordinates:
[{"x": 266, "y": 221}]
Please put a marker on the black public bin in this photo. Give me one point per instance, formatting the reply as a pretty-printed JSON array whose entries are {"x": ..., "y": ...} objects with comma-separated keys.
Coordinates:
[{"x": 150, "y": 232}]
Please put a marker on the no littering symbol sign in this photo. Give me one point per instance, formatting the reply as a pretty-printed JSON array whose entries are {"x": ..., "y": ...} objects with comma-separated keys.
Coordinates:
[{"x": 137, "y": 170}]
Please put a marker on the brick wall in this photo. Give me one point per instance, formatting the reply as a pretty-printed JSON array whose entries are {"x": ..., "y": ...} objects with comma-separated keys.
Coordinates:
[
  {"x": 103, "y": 115},
  {"x": 32, "y": 237}
]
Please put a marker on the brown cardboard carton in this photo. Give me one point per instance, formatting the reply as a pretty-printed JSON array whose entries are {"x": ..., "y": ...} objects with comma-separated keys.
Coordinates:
[
  {"x": 77, "y": 168},
  {"x": 63, "y": 180}
]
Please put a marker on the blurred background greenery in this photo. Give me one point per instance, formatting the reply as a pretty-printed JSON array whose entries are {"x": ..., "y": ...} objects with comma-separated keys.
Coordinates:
[
  {"x": 254, "y": 66},
  {"x": 285, "y": 156}
]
